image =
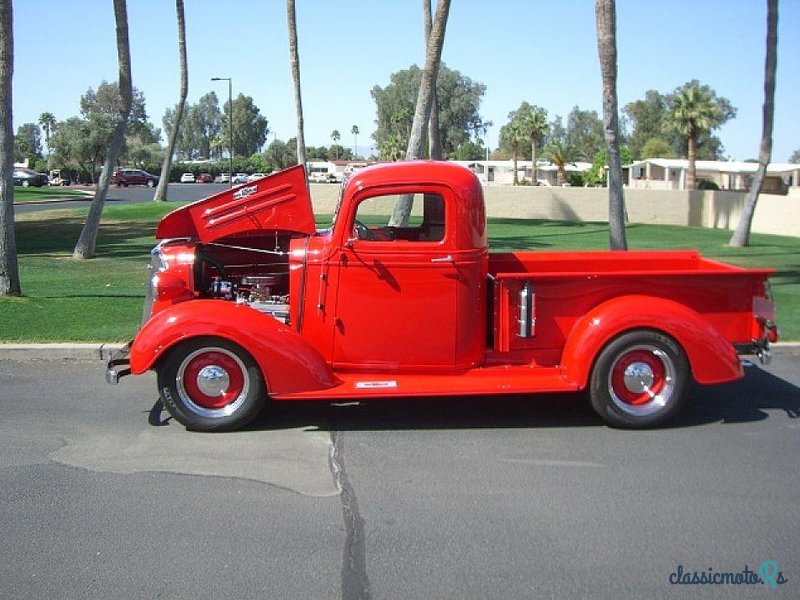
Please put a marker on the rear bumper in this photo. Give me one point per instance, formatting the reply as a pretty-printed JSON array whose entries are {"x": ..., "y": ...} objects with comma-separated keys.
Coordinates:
[
  {"x": 117, "y": 363},
  {"x": 760, "y": 347}
]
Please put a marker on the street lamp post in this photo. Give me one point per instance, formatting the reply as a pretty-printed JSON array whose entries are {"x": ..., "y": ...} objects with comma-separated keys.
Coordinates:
[{"x": 230, "y": 121}]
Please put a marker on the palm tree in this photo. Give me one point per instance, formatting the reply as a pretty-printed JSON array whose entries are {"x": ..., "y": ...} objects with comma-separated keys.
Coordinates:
[
  {"x": 534, "y": 124},
  {"x": 48, "y": 122},
  {"x": 166, "y": 166},
  {"x": 294, "y": 59},
  {"x": 694, "y": 110},
  {"x": 355, "y": 133},
  {"x": 336, "y": 136},
  {"x": 416, "y": 141},
  {"x": 513, "y": 136},
  {"x": 560, "y": 154},
  {"x": 741, "y": 237},
  {"x": 606, "y": 21},
  {"x": 86, "y": 242},
  {"x": 434, "y": 143},
  {"x": 9, "y": 268}
]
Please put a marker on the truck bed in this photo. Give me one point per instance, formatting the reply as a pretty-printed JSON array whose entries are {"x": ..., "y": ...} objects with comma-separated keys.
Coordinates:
[{"x": 567, "y": 286}]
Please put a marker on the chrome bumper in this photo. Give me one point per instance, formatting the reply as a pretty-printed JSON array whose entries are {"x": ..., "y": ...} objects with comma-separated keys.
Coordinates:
[
  {"x": 115, "y": 360},
  {"x": 759, "y": 348}
]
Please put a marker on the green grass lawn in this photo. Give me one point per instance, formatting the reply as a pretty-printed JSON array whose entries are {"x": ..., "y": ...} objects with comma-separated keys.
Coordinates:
[
  {"x": 34, "y": 194},
  {"x": 101, "y": 299}
]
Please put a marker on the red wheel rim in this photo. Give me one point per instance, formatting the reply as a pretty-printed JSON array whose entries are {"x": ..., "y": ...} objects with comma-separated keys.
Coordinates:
[
  {"x": 212, "y": 379},
  {"x": 638, "y": 376}
]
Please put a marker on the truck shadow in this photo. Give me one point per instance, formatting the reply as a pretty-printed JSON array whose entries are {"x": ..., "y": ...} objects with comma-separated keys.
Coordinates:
[{"x": 757, "y": 397}]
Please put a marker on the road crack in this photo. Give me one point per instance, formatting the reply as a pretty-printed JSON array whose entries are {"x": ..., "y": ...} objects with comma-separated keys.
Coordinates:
[{"x": 355, "y": 582}]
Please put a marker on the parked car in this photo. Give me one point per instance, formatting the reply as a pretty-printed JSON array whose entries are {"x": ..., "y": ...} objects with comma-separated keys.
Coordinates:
[
  {"x": 255, "y": 176},
  {"x": 187, "y": 178},
  {"x": 126, "y": 177},
  {"x": 204, "y": 178},
  {"x": 223, "y": 178},
  {"x": 240, "y": 178},
  {"x": 27, "y": 178}
]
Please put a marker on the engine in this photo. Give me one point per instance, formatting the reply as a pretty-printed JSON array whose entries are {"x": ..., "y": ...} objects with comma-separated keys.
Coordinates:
[
  {"x": 250, "y": 271},
  {"x": 257, "y": 291}
]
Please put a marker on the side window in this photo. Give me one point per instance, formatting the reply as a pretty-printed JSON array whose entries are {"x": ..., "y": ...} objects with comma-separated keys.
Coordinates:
[{"x": 426, "y": 220}]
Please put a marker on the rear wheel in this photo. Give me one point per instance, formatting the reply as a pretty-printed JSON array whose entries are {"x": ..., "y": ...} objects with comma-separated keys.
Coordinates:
[
  {"x": 639, "y": 380},
  {"x": 210, "y": 384}
]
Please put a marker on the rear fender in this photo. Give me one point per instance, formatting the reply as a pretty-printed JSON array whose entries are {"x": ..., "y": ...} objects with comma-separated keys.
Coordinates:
[
  {"x": 289, "y": 364},
  {"x": 712, "y": 358}
]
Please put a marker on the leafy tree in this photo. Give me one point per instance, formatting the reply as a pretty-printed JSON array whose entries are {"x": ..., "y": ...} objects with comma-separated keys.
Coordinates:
[
  {"x": 166, "y": 166},
  {"x": 280, "y": 155},
  {"x": 741, "y": 237},
  {"x": 28, "y": 142},
  {"x": 647, "y": 117},
  {"x": 584, "y": 133},
  {"x": 795, "y": 157},
  {"x": 250, "y": 127},
  {"x": 85, "y": 247},
  {"x": 200, "y": 134},
  {"x": 9, "y": 266},
  {"x": 470, "y": 150},
  {"x": 294, "y": 59},
  {"x": 693, "y": 109},
  {"x": 48, "y": 123},
  {"x": 657, "y": 147},
  {"x": 393, "y": 148},
  {"x": 458, "y": 97}
]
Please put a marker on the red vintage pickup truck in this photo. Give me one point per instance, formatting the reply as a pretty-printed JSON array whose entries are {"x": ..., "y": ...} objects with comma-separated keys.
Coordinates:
[{"x": 249, "y": 301}]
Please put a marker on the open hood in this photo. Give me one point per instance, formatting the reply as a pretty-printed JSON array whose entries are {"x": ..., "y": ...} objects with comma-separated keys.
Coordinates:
[{"x": 278, "y": 202}]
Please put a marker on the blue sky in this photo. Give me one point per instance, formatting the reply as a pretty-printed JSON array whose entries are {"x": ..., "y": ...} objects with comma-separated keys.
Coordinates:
[{"x": 541, "y": 52}]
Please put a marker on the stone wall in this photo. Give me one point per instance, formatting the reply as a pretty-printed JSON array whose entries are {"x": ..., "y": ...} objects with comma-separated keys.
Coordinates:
[{"x": 715, "y": 209}]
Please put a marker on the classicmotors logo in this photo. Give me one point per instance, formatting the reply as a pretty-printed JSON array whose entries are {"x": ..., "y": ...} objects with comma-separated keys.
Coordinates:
[{"x": 768, "y": 574}]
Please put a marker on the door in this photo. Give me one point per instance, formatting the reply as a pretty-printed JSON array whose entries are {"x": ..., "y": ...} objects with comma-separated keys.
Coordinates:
[{"x": 396, "y": 304}]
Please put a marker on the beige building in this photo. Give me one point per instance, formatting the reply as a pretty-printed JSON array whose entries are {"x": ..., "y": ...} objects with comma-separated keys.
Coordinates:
[{"x": 670, "y": 174}]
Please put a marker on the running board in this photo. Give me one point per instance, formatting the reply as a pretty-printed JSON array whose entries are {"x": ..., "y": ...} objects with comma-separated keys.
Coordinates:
[{"x": 486, "y": 380}]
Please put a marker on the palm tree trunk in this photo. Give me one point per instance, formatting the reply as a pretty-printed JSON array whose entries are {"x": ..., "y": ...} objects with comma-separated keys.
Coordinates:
[
  {"x": 294, "y": 58},
  {"x": 433, "y": 58},
  {"x": 434, "y": 143},
  {"x": 741, "y": 237},
  {"x": 534, "y": 169},
  {"x": 606, "y": 17},
  {"x": 86, "y": 242},
  {"x": 9, "y": 268},
  {"x": 691, "y": 173},
  {"x": 166, "y": 167},
  {"x": 514, "y": 155}
]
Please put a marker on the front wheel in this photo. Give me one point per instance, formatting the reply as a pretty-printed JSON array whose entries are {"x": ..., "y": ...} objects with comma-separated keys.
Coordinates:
[
  {"x": 639, "y": 380},
  {"x": 210, "y": 384}
]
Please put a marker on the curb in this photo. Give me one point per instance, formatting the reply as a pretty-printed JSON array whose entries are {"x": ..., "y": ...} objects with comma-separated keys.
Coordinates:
[
  {"x": 95, "y": 351},
  {"x": 85, "y": 194}
]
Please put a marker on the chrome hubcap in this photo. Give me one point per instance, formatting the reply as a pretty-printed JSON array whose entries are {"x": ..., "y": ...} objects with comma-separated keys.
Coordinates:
[
  {"x": 213, "y": 380},
  {"x": 639, "y": 377}
]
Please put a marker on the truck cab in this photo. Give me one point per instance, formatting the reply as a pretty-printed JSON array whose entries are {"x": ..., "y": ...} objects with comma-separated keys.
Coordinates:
[{"x": 400, "y": 296}]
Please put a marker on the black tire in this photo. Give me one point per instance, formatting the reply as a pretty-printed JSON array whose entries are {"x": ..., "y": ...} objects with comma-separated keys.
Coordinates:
[
  {"x": 639, "y": 380},
  {"x": 211, "y": 384}
]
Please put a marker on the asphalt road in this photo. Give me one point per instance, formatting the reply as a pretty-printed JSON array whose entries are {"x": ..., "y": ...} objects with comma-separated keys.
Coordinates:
[
  {"x": 101, "y": 496},
  {"x": 128, "y": 195}
]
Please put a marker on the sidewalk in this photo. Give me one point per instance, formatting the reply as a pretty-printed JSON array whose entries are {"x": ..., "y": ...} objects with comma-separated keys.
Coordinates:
[{"x": 92, "y": 351}]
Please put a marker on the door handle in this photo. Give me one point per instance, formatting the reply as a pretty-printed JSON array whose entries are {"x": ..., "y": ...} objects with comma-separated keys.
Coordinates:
[{"x": 443, "y": 259}]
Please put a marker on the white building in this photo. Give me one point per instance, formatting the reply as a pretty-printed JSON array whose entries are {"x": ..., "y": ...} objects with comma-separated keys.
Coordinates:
[{"x": 670, "y": 174}]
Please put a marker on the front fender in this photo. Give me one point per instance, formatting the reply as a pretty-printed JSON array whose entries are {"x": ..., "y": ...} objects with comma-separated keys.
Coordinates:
[
  {"x": 289, "y": 363},
  {"x": 712, "y": 358}
]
